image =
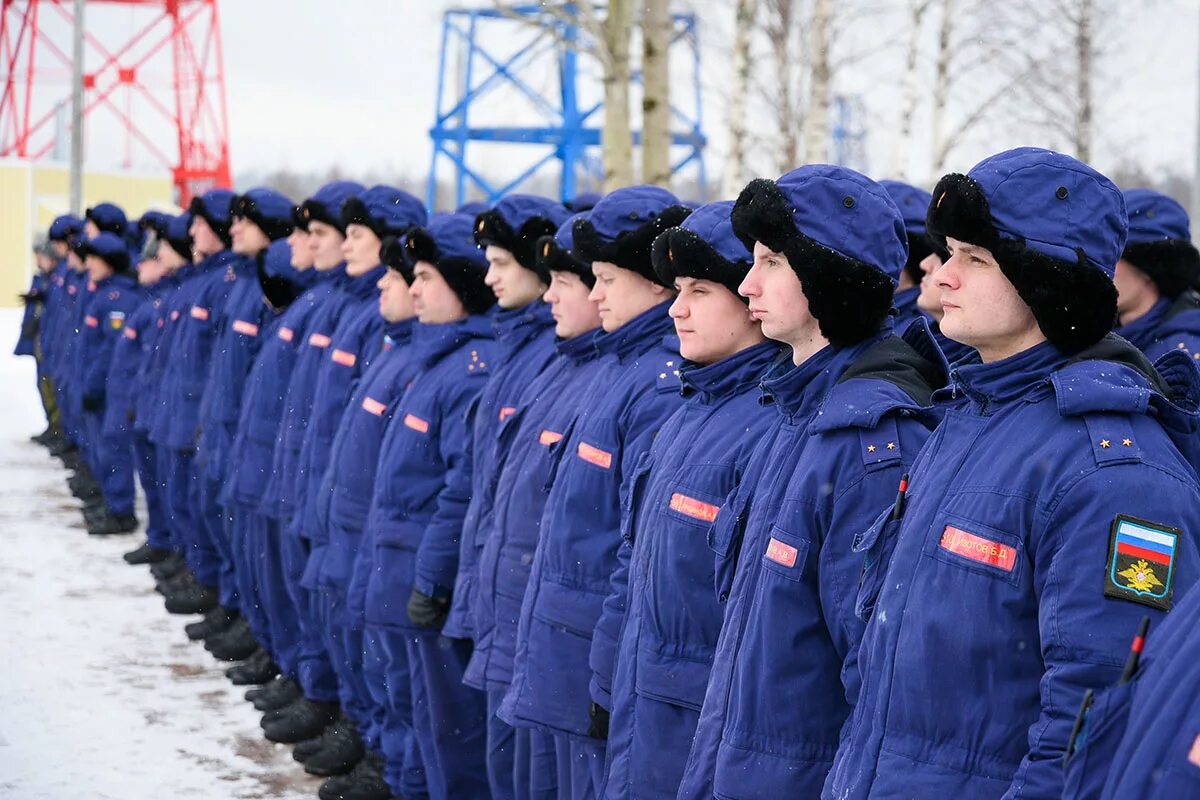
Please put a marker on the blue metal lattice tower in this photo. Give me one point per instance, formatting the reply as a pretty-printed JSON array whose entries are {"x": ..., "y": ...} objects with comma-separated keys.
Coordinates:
[{"x": 494, "y": 60}]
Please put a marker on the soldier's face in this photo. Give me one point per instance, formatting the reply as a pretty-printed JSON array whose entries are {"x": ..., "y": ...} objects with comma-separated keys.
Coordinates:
[
  {"x": 777, "y": 301},
  {"x": 150, "y": 271},
  {"x": 575, "y": 313},
  {"x": 711, "y": 322},
  {"x": 930, "y": 298},
  {"x": 513, "y": 285},
  {"x": 360, "y": 250},
  {"x": 60, "y": 248},
  {"x": 248, "y": 238},
  {"x": 622, "y": 294},
  {"x": 90, "y": 229},
  {"x": 97, "y": 268},
  {"x": 981, "y": 308},
  {"x": 395, "y": 301},
  {"x": 301, "y": 256},
  {"x": 434, "y": 302},
  {"x": 324, "y": 245},
  {"x": 170, "y": 259},
  {"x": 1136, "y": 293},
  {"x": 205, "y": 241}
]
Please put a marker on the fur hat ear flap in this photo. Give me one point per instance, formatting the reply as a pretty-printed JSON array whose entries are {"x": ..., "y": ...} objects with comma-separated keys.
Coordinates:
[
  {"x": 466, "y": 279},
  {"x": 1075, "y": 305},
  {"x": 762, "y": 214},
  {"x": 680, "y": 252},
  {"x": 492, "y": 228},
  {"x": 1173, "y": 264},
  {"x": 631, "y": 249},
  {"x": 850, "y": 299},
  {"x": 960, "y": 210}
]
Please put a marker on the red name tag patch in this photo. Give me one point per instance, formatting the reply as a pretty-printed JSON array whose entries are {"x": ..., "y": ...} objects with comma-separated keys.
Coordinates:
[
  {"x": 549, "y": 437},
  {"x": 319, "y": 340},
  {"x": 91, "y": 321},
  {"x": 1194, "y": 753},
  {"x": 343, "y": 358},
  {"x": 416, "y": 423},
  {"x": 781, "y": 553},
  {"x": 174, "y": 315},
  {"x": 287, "y": 334},
  {"x": 130, "y": 333},
  {"x": 691, "y": 507},
  {"x": 373, "y": 406},
  {"x": 507, "y": 412},
  {"x": 245, "y": 328},
  {"x": 978, "y": 549},
  {"x": 594, "y": 455},
  {"x": 199, "y": 313}
]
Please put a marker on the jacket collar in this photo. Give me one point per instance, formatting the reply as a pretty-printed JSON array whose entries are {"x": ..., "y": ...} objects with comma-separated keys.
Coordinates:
[
  {"x": 1143, "y": 330},
  {"x": 399, "y": 334},
  {"x": 433, "y": 342},
  {"x": 516, "y": 327},
  {"x": 581, "y": 348},
  {"x": 363, "y": 286},
  {"x": 729, "y": 375},
  {"x": 795, "y": 389},
  {"x": 639, "y": 334}
]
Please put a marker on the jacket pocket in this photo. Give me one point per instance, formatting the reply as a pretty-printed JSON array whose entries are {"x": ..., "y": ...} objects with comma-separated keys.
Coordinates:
[{"x": 877, "y": 545}]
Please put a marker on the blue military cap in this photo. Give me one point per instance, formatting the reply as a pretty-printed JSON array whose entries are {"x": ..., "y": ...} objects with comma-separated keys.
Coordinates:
[
  {"x": 843, "y": 236},
  {"x": 270, "y": 210},
  {"x": 557, "y": 253},
  {"x": 64, "y": 228},
  {"x": 517, "y": 222},
  {"x": 326, "y": 205},
  {"x": 108, "y": 217},
  {"x": 216, "y": 208},
  {"x": 109, "y": 247},
  {"x": 1160, "y": 241},
  {"x": 622, "y": 227},
  {"x": 704, "y": 246},
  {"x": 1055, "y": 226},
  {"x": 448, "y": 243},
  {"x": 385, "y": 210}
]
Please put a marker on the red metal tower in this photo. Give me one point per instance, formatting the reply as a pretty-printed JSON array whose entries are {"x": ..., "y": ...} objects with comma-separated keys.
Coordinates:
[{"x": 153, "y": 68}]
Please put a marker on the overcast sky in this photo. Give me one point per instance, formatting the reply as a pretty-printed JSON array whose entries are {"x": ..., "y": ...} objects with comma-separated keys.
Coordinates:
[{"x": 313, "y": 84}]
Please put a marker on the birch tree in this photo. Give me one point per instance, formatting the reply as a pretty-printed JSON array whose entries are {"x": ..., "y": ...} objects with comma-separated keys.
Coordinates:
[
  {"x": 736, "y": 172},
  {"x": 656, "y": 93}
]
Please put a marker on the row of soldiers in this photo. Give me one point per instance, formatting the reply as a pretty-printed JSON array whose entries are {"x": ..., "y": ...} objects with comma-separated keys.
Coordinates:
[{"x": 842, "y": 489}]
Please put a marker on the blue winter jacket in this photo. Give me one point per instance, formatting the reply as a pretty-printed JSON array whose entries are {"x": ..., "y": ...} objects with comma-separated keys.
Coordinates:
[
  {"x": 1168, "y": 325},
  {"x": 663, "y": 616},
  {"x": 1048, "y": 513},
  {"x": 581, "y": 524},
  {"x": 34, "y": 300},
  {"x": 201, "y": 298},
  {"x": 150, "y": 339},
  {"x": 524, "y": 346},
  {"x": 129, "y": 357},
  {"x": 345, "y": 494},
  {"x": 784, "y": 677},
  {"x": 239, "y": 323},
  {"x": 49, "y": 332},
  {"x": 112, "y": 300},
  {"x": 356, "y": 339},
  {"x": 280, "y": 500},
  {"x": 527, "y": 444},
  {"x": 174, "y": 318},
  {"x": 411, "y": 513},
  {"x": 258, "y": 430}
]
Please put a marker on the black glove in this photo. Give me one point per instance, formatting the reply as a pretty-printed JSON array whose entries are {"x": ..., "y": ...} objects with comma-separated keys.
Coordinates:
[
  {"x": 93, "y": 402},
  {"x": 598, "y": 728},
  {"x": 426, "y": 611}
]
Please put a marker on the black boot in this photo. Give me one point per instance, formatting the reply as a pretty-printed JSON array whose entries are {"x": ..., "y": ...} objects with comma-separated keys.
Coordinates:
[
  {"x": 365, "y": 782},
  {"x": 214, "y": 622},
  {"x": 184, "y": 579},
  {"x": 94, "y": 510},
  {"x": 341, "y": 749},
  {"x": 235, "y": 644},
  {"x": 169, "y": 567},
  {"x": 304, "y": 719},
  {"x": 111, "y": 524},
  {"x": 280, "y": 692},
  {"x": 146, "y": 555},
  {"x": 45, "y": 438},
  {"x": 65, "y": 450},
  {"x": 195, "y": 599},
  {"x": 257, "y": 669}
]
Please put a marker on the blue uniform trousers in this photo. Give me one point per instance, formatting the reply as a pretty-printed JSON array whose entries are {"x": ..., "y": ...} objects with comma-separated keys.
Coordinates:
[{"x": 158, "y": 529}]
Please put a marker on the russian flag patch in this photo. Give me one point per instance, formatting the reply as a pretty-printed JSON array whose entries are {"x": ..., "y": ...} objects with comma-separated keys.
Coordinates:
[{"x": 1141, "y": 562}]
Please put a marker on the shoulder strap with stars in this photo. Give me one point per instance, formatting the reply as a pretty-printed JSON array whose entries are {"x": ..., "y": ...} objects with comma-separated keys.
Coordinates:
[
  {"x": 880, "y": 445},
  {"x": 1111, "y": 441}
]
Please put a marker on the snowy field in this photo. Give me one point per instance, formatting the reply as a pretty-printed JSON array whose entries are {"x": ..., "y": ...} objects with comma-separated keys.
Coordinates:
[{"x": 102, "y": 696}]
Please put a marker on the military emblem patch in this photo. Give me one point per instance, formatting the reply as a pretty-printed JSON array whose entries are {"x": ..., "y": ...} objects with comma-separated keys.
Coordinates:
[
  {"x": 1141, "y": 562},
  {"x": 116, "y": 320}
]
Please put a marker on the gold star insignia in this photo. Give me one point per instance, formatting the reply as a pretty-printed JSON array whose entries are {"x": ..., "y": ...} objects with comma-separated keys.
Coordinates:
[
  {"x": 1181, "y": 346},
  {"x": 1127, "y": 442},
  {"x": 891, "y": 445},
  {"x": 870, "y": 448},
  {"x": 670, "y": 363},
  {"x": 662, "y": 375},
  {"x": 1105, "y": 443}
]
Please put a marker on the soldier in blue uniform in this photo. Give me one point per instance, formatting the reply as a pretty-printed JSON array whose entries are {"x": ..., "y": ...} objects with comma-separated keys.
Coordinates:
[
  {"x": 851, "y": 406},
  {"x": 258, "y": 218},
  {"x": 1158, "y": 307},
  {"x": 29, "y": 343},
  {"x": 913, "y": 203},
  {"x": 660, "y": 623},
  {"x": 412, "y": 514},
  {"x": 156, "y": 274},
  {"x": 522, "y": 464},
  {"x": 580, "y": 527},
  {"x": 1050, "y": 511},
  {"x": 62, "y": 231},
  {"x": 115, "y": 296},
  {"x": 509, "y": 232}
]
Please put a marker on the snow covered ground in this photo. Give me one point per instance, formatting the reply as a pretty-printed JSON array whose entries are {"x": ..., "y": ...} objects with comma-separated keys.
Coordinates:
[{"x": 102, "y": 697}]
